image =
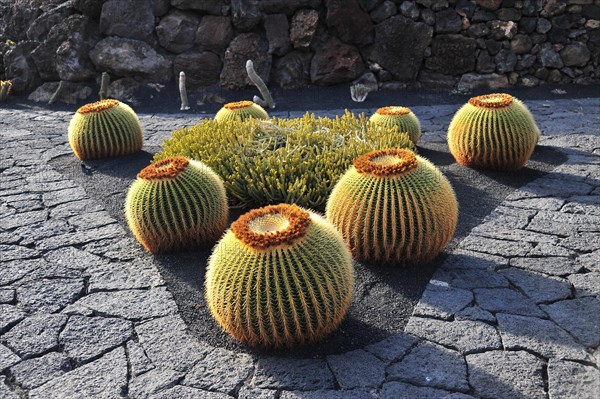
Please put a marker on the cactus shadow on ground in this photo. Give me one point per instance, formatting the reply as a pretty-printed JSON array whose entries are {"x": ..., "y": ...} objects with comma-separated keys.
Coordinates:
[{"x": 384, "y": 296}]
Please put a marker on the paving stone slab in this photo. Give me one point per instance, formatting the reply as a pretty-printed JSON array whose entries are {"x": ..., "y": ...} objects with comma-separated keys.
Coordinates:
[
  {"x": 16, "y": 269},
  {"x": 103, "y": 378},
  {"x": 475, "y": 313},
  {"x": 465, "y": 259},
  {"x": 54, "y": 198},
  {"x": 392, "y": 348},
  {"x": 80, "y": 237},
  {"x": 499, "y": 374},
  {"x": 123, "y": 276},
  {"x": 329, "y": 394},
  {"x": 556, "y": 266},
  {"x": 292, "y": 374},
  {"x": 563, "y": 223},
  {"x": 221, "y": 370},
  {"x": 131, "y": 304},
  {"x": 138, "y": 361},
  {"x": 154, "y": 381},
  {"x": 537, "y": 286},
  {"x": 49, "y": 295},
  {"x": 91, "y": 220},
  {"x": 85, "y": 338},
  {"x": 247, "y": 392},
  {"x": 17, "y": 252},
  {"x": 496, "y": 247},
  {"x": 506, "y": 300},
  {"x": 580, "y": 317},
  {"x": 357, "y": 369},
  {"x": 35, "y": 335},
  {"x": 7, "y": 358},
  {"x": 23, "y": 219},
  {"x": 539, "y": 336},
  {"x": 582, "y": 242},
  {"x": 167, "y": 344},
  {"x": 9, "y": 316},
  {"x": 469, "y": 279},
  {"x": 545, "y": 250},
  {"x": 7, "y": 296},
  {"x": 572, "y": 380},
  {"x": 74, "y": 208},
  {"x": 33, "y": 233},
  {"x": 586, "y": 284},
  {"x": 75, "y": 258},
  {"x": 431, "y": 365},
  {"x": 181, "y": 392},
  {"x": 442, "y": 302},
  {"x": 399, "y": 390},
  {"x": 464, "y": 336},
  {"x": 5, "y": 392},
  {"x": 32, "y": 373}
]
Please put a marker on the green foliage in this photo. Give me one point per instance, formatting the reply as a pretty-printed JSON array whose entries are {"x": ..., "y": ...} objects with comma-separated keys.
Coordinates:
[{"x": 295, "y": 160}]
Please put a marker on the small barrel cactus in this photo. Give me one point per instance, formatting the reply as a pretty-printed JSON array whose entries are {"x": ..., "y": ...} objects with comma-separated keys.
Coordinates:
[
  {"x": 5, "y": 86},
  {"x": 402, "y": 117},
  {"x": 494, "y": 131},
  {"x": 176, "y": 204},
  {"x": 104, "y": 129},
  {"x": 281, "y": 276},
  {"x": 393, "y": 206},
  {"x": 241, "y": 110}
]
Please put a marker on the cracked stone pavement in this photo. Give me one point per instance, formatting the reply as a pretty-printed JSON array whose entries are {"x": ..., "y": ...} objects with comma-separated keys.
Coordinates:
[{"x": 514, "y": 312}]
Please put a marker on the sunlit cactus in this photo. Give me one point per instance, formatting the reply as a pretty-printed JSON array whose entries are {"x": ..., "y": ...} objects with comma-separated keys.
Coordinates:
[
  {"x": 280, "y": 277},
  {"x": 241, "y": 110},
  {"x": 393, "y": 206},
  {"x": 5, "y": 87},
  {"x": 176, "y": 204},
  {"x": 104, "y": 129},
  {"x": 402, "y": 117},
  {"x": 494, "y": 131}
]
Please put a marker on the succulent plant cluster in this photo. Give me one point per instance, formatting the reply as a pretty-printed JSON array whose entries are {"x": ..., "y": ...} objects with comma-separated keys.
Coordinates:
[{"x": 5, "y": 87}]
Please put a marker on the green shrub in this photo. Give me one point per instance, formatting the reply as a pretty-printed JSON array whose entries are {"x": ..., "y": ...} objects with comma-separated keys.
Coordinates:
[{"x": 295, "y": 160}]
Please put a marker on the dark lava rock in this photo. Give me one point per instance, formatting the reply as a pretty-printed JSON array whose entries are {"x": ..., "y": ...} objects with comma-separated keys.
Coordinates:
[
  {"x": 349, "y": 22},
  {"x": 447, "y": 21},
  {"x": 247, "y": 46},
  {"x": 335, "y": 62},
  {"x": 304, "y": 28},
  {"x": 177, "y": 31},
  {"x": 575, "y": 54},
  {"x": 485, "y": 63},
  {"x": 20, "y": 68},
  {"x": 245, "y": 14},
  {"x": 130, "y": 19},
  {"x": 278, "y": 33},
  {"x": 500, "y": 30},
  {"x": 490, "y": 5},
  {"x": 548, "y": 57},
  {"x": 214, "y": 33},
  {"x": 90, "y": 8},
  {"x": 40, "y": 28},
  {"x": 17, "y": 17},
  {"x": 201, "y": 69},
  {"x": 521, "y": 44},
  {"x": 505, "y": 61},
  {"x": 214, "y": 7},
  {"x": 287, "y": 7},
  {"x": 292, "y": 71},
  {"x": 452, "y": 54}
]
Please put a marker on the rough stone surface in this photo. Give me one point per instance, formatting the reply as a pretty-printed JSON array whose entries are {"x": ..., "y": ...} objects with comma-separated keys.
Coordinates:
[
  {"x": 464, "y": 336},
  {"x": 32, "y": 373},
  {"x": 156, "y": 380},
  {"x": 470, "y": 81},
  {"x": 85, "y": 338},
  {"x": 580, "y": 317},
  {"x": 292, "y": 71},
  {"x": 575, "y": 54},
  {"x": 349, "y": 22},
  {"x": 572, "y": 380},
  {"x": 499, "y": 374},
  {"x": 400, "y": 44},
  {"x": 214, "y": 33},
  {"x": 131, "y": 304},
  {"x": 304, "y": 28},
  {"x": 452, "y": 54},
  {"x": 7, "y": 358},
  {"x": 9, "y": 316},
  {"x": 506, "y": 300},
  {"x": 537, "y": 286},
  {"x": 442, "y": 302},
  {"x": 105, "y": 377},
  {"x": 247, "y": 46},
  {"x": 392, "y": 348},
  {"x": 181, "y": 392},
  {"x": 399, "y": 390},
  {"x": 221, "y": 370},
  {"x": 201, "y": 69},
  {"x": 447, "y": 21},
  {"x": 329, "y": 394},
  {"x": 35, "y": 335},
  {"x": 20, "y": 68},
  {"x": 357, "y": 369},
  {"x": 177, "y": 31},
  {"x": 117, "y": 17},
  {"x": 549, "y": 58},
  {"x": 292, "y": 374},
  {"x": 433, "y": 366},
  {"x": 49, "y": 295},
  {"x": 335, "y": 62},
  {"x": 277, "y": 29}
]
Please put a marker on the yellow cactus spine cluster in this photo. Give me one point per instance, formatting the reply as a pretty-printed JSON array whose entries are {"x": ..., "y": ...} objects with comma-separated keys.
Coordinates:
[
  {"x": 402, "y": 117},
  {"x": 393, "y": 206},
  {"x": 280, "y": 277},
  {"x": 241, "y": 110},
  {"x": 176, "y": 204},
  {"x": 104, "y": 129},
  {"x": 494, "y": 131},
  {"x": 5, "y": 87}
]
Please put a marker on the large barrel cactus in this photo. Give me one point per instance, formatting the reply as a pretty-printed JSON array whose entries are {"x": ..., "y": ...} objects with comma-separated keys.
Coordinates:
[
  {"x": 281, "y": 276},
  {"x": 241, "y": 110},
  {"x": 494, "y": 131},
  {"x": 104, "y": 129},
  {"x": 402, "y": 117},
  {"x": 176, "y": 204},
  {"x": 393, "y": 206}
]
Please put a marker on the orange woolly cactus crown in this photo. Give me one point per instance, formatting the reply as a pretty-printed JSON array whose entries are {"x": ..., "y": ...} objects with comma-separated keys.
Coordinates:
[
  {"x": 164, "y": 169},
  {"x": 98, "y": 106},
  {"x": 494, "y": 100},
  {"x": 238, "y": 105},
  {"x": 388, "y": 162},
  {"x": 271, "y": 226},
  {"x": 393, "y": 110}
]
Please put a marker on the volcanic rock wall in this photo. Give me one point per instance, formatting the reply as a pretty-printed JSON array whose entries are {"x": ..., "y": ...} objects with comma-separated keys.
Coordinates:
[{"x": 295, "y": 43}]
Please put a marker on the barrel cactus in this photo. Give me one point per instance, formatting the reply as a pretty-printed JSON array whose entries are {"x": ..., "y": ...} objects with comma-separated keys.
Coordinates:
[
  {"x": 281, "y": 276},
  {"x": 393, "y": 206},
  {"x": 494, "y": 131},
  {"x": 241, "y": 110},
  {"x": 5, "y": 87},
  {"x": 176, "y": 204},
  {"x": 402, "y": 117},
  {"x": 104, "y": 129}
]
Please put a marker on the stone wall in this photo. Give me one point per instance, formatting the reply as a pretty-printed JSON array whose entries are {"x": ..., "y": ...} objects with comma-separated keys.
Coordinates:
[{"x": 295, "y": 43}]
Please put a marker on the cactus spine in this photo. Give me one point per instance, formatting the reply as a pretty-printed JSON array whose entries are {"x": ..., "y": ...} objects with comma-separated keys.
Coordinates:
[
  {"x": 281, "y": 276},
  {"x": 241, "y": 111},
  {"x": 106, "y": 128},
  {"x": 494, "y": 131},
  {"x": 393, "y": 206},
  {"x": 175, "y": 204},
  {"x": 402, "y": 117},
  {"x": 5, "y": 87}
]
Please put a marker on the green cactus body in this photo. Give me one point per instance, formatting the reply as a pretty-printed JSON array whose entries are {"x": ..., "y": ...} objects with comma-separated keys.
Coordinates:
[
  {"x": 241, "y": 110},
  {"x": 393, "y": 206},
  {"x": 281, "y": 276},
  {"x": 494, "y": 131},
  {"x": 104, "y": 129},
  {"x": 5, "y": 87},
  {"x": 402, "y": 117},
  {"x": 176, "y": 204}
]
